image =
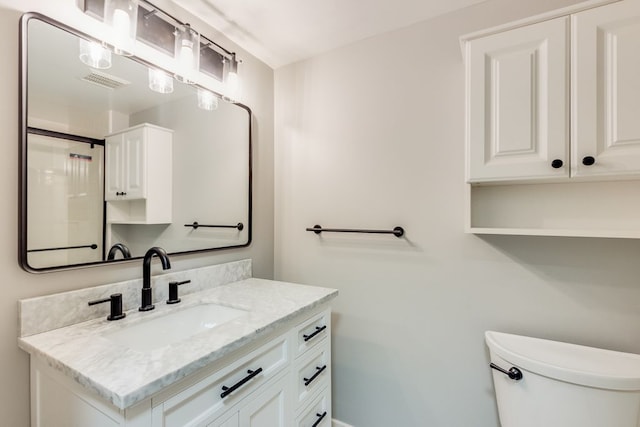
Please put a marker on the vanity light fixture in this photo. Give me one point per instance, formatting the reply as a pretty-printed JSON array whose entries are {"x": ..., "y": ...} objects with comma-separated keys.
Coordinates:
[
  {"x": 193, "y": 53},
  {"x": 94, "y": 55},
  {"x": 122, "y": 17},
  {"x": 159, "y": 81},
  {"x": 207, "y": 100},
  {"x": 187, "y": 52}
]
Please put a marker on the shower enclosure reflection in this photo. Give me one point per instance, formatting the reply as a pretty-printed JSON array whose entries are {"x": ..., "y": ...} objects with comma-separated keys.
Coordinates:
[{"x": 107, "y": 161}]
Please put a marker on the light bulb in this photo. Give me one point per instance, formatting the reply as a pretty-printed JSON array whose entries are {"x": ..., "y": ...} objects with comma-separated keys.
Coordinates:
[
  {"x": 187, "y": 53},
  {"x": 122, "y": 17},
  {"x": 159, "y": 81},
  {"x": 121, "y": 26},
  {"x": 232, "y": 82},
  {"x": 94, "y": 55},
  {"x": 207, "y": 100}
]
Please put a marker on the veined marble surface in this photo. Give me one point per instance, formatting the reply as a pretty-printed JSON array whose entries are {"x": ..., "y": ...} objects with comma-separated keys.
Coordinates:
[
  {"x": 55, "y": 311},
  {"x": 124, "y": 376}
]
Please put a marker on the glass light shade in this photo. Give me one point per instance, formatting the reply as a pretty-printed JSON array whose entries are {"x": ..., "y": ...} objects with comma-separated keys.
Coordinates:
[
  {"x": 159, "y": 81},
  {"x": 207, "y": 100},
  {"x": 232, "y": 81},
  {"x": 187, "y": 53},
  {"x": 122, "y": 17},
  {"x": 94, "y": 55}
]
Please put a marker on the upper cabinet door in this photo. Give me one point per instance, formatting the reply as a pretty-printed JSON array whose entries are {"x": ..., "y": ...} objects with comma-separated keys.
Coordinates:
[
  {"x": 517, "y": 100},
  {"x": 135, "y": 174},
  {"x": 606, "y": 90}
]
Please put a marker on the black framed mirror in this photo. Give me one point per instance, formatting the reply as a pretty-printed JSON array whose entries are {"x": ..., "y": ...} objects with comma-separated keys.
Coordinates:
[{"x": 110, "y": 167}]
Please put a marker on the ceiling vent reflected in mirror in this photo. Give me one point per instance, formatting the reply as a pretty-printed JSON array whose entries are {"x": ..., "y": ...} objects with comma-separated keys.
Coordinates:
[{"x": 105, "y": 80}]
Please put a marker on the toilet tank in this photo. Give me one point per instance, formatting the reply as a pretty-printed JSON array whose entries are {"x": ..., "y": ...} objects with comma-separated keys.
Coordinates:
[{"x": 564, "y": 385}]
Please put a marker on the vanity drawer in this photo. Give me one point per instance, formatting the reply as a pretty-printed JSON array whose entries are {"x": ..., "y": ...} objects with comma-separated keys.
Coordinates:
[
  {"x": 313, "y": 371},
  {"x": 318, "y": 413},
  {"x": 312, "y": 331},
  {"x": 210, "y": 397}
]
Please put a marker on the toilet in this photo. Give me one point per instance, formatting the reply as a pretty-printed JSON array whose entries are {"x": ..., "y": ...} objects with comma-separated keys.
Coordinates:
[{"x": 542, "y": 383}]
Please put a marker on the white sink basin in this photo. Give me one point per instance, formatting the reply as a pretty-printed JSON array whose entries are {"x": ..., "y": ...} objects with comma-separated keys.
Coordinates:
[{"x": 173, "y": 327}]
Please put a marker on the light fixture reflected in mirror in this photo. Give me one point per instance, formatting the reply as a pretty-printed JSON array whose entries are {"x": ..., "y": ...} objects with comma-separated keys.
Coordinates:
[
  {"x": 187, "y": 52},
  {"x": 207, "y": 100},
  {"x": 159, "y": 81},
  {"x": 232, "y": 81},
  {"x": 94, "y": 55},
  {"x": 122, "y": 17}
]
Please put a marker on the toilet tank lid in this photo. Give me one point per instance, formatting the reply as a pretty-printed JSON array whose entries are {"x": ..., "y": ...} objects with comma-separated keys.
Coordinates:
[{"x": 572, "y": 363}]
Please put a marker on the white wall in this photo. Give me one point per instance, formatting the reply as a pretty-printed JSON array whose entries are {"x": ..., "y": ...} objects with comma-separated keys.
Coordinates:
[
  {"x": 16, "y": 284},
  {"x": 372, "y": 136}
]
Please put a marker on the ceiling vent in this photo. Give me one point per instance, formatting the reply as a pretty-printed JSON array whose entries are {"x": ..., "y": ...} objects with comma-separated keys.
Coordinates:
[{"x": 105, "y": 80}]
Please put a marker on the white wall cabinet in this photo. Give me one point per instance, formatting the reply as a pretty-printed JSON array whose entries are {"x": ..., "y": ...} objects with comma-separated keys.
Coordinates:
[
  {"x": 138, "y": 175},
  {"x": 289, "y": 384},
  {"x": 605, "y": 80},
  {"x": 518, "y": 103},
  {"x": 553, "y": 136}
]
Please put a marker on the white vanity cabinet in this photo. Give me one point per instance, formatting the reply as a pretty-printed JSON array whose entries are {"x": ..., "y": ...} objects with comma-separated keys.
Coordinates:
[
  {"x": 138, "y": 175},
  {"x": 284, "y": 381}
]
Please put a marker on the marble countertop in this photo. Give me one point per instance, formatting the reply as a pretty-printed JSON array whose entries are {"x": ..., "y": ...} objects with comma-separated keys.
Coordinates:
[{"x": 124, "y": 376}]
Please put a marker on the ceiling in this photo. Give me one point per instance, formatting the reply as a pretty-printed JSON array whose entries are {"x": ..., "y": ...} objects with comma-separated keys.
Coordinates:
[{"x": 280, "y": 32}]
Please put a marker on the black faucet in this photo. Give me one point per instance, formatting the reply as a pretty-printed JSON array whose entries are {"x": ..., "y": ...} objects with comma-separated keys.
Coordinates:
[
  {"x": 119, "y": 247},
  {"x": 147, "y": 292}
]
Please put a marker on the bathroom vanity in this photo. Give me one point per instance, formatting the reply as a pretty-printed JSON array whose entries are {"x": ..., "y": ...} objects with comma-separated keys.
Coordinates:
[{"x": 268, "y": 363}]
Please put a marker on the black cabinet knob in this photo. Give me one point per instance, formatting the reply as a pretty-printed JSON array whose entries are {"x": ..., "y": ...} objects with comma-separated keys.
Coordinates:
[
  {"x": 557, "y": 164},
  {"x": 588, "y": 160}
]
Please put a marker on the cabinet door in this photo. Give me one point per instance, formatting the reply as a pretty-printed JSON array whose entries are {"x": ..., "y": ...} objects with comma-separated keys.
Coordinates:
[
  {"x": 606, "y": 90},
  {"x": 269, "y": 408},
  {"x": 114, "y": 167},
  {"x": 517, "y": 89},
  {"x": 135, "y": 172}
]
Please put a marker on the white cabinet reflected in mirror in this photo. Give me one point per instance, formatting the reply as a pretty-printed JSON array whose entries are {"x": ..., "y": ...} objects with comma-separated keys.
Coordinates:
[{"x": 109, "y": 165}]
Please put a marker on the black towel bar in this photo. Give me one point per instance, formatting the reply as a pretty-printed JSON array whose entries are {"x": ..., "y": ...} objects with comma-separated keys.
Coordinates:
[
  {"x": 92, "y": 246},
  {"x": 397, "y": 231},
  {"x": 195, "y": 225}
]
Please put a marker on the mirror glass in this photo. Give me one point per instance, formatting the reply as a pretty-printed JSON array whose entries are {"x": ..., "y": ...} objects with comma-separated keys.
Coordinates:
[{"x": 109, "y": 165}]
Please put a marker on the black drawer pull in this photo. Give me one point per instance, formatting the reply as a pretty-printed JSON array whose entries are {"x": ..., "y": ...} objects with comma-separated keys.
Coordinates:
[
  {"x": 316, "y": 332},
  {"x": 226, "y": 391},
  {"x": 320, "y": 418},
  {"x": 319, "y": 370},
  {"x": 513, "y": 373}
]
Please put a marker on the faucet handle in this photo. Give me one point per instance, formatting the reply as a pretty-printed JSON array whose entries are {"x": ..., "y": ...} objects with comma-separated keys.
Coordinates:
[
  {"x": 116, "y": 306},
  {"x": 173, "y": 291}
]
